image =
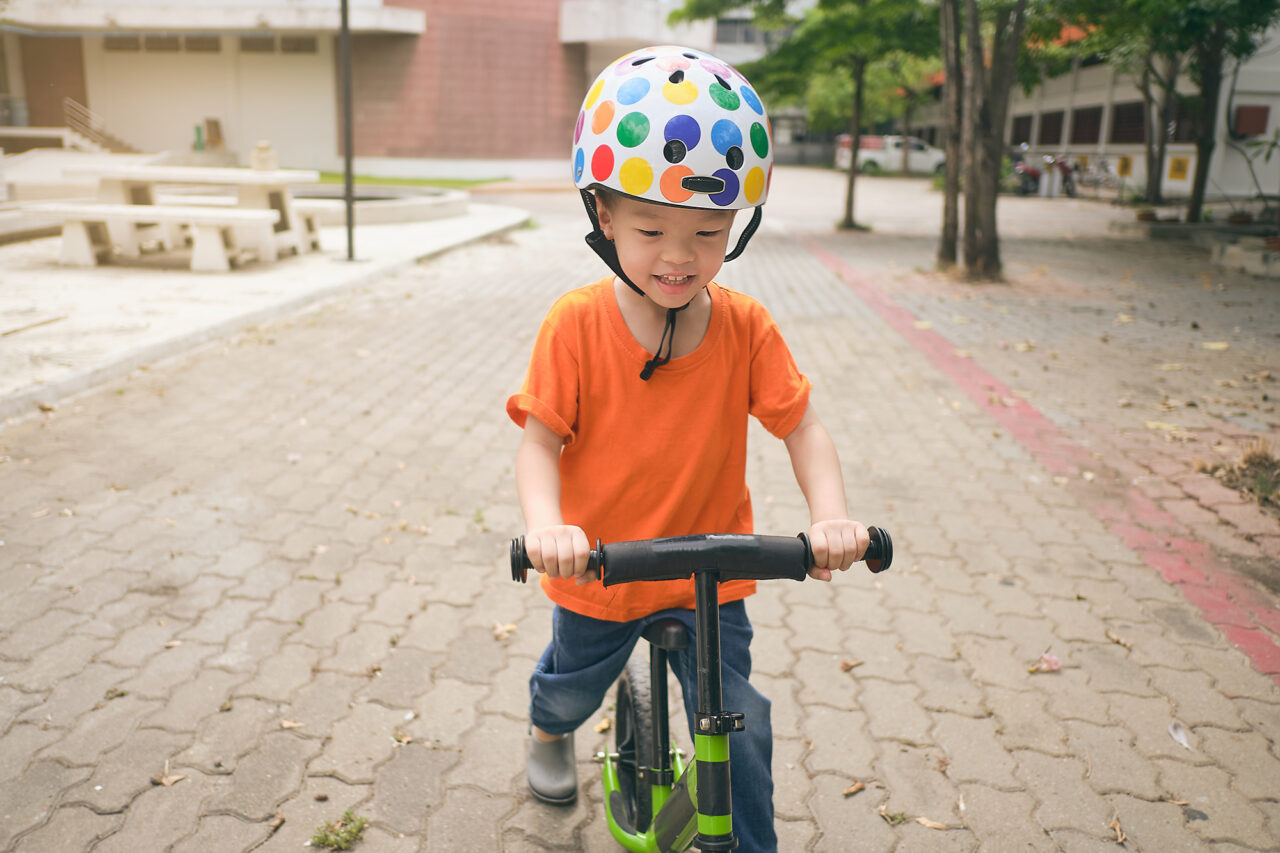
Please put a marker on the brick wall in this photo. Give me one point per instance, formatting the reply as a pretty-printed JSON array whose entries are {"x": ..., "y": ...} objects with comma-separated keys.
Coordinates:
[{"x": 489, "y": 78}]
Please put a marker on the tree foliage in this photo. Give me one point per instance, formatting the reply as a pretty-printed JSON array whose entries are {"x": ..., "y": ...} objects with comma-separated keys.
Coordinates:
[{"x": 834, "y": 37}]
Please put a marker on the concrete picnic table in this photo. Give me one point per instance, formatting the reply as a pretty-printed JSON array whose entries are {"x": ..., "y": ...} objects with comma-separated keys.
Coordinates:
[{"x": 256, "y": 189}]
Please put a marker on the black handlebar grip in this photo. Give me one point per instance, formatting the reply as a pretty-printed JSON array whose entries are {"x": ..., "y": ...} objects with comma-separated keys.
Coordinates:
[
  {"x": 879, "y": 555},
  {"x": 520, "y": 564}
]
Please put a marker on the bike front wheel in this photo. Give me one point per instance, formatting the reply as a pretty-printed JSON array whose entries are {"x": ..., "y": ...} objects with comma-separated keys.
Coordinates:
[{"x": 633, "y": 742}]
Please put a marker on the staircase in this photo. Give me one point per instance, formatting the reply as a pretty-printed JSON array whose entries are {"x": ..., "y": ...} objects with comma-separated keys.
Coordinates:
[{"x": 91, "y": 130}]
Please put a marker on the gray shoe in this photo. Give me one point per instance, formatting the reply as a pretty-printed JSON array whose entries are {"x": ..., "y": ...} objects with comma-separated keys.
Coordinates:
[{"x": 551, "y": 771}]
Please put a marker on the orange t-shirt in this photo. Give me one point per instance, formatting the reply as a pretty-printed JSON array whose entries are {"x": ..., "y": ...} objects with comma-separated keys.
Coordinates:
[{"x": 665, "y": 457}]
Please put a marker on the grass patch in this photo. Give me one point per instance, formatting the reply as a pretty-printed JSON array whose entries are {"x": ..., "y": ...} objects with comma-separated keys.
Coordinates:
[
  {"x": 1256, "y": 474},
  {"x": 341, "y": 834},
  {"x": 371, "y": 181}
]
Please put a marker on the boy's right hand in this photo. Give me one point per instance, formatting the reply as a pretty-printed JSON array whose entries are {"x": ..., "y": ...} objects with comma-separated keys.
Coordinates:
[{"x": 561, "y": 551}]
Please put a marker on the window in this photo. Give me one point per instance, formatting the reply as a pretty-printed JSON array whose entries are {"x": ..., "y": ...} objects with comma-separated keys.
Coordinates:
[
  {"x": 1251, "y": 120},
  {"x": 257, "y": 44},
  {"x": 122, "y": 43},
  {"x": 297, "y": 44},
  {"x": 1129, "y": 123},
  {"x": 1050, "y": 128},
  {"x": 1086, "y": 125},
  {"x": 161, "y": 44},
  {"x": 202, "y": 44},
  {"x": 1183, "y": 126},
  {"x": 1021, "y": 130}
]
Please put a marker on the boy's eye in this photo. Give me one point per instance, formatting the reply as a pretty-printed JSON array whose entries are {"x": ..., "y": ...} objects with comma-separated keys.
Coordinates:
[
  {"x": 708, "y": 233},
  {"x": 650, "y": 233}
]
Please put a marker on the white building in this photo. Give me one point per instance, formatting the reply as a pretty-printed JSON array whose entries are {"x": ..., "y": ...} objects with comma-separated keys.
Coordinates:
[{"x": 1093, "y": 114}]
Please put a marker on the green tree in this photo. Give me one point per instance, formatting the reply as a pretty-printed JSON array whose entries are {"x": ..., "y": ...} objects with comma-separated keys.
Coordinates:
[{"x": 834, "y": 36}]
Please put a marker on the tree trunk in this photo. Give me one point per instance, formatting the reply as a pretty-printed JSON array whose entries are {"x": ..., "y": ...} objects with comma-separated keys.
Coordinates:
[
  {"x": 1159, "y": 111},
  {"x": 974, "y": 79},
  {"x": 1208, "y": 71},
  {"x": 1150, "y": 114},
  {"x": 855, "y": 131},
  {"x": 989, "y": 100},
  {"x": 1168, "y": 103},
  {"x": 953, "y": 128}
]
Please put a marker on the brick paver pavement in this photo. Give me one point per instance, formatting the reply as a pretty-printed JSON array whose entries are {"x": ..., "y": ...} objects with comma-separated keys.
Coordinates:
[{"x": 276, "y": 567}]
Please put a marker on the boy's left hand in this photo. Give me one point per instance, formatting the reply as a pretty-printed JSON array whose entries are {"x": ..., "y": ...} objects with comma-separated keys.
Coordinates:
[{"x": 837, "y": 544}]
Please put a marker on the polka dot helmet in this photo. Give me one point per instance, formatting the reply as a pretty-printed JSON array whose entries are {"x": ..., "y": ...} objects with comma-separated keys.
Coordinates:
[{"x": 676, "y": 126}]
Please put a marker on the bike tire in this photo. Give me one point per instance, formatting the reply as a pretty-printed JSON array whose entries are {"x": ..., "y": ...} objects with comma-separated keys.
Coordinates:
[{"x": 633, "y": 741}]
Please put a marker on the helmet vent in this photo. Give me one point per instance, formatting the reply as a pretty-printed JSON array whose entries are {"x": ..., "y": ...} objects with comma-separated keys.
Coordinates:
[
  {"x": 689, "y": 55},
  {"x": 702, "y": 184},
  {"x": 722, "y": 81},
  {"x": 734, "y": 158},
  {"x": 674, "y": 151},
  {"x": 677, "y": 77},
  {"x": 642, "y": 60}
]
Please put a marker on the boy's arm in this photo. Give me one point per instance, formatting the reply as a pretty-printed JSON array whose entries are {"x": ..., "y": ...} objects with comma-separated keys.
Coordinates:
[
  {"x": 553, "y": 547},
  {"x": 837, "y": 542}
]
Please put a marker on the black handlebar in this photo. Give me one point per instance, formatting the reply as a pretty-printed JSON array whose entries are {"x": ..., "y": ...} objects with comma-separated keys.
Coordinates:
[{"x": 730, "y": 556}]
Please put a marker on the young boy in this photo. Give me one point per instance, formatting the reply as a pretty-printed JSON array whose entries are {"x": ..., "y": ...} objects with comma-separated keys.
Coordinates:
[{"x": 635, "y": 405}]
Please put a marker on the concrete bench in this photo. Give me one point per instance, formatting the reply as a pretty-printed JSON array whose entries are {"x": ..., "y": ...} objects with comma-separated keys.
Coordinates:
[{"x": 86, "y": 239}]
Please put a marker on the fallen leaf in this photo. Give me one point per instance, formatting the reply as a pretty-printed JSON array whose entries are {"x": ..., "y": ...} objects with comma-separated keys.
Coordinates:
[
  {"x": 1178, "y": 802},
  {"x": 401, "y": 737},
  {"x": 1123, "y": 319},
  {"x": 1115, "y": 826},
  {"x": 291, "y": 724},
  {"x": 166, "y": 778},
  {"x": 173, "y": 644},
  {"x": 931, "y": 824},
  {"x": 923, "y": 324},
  {"x": 1118, "y": 640},
  {"x": 1217, "y": 346},
  {"x": 854, "y": 788},
  {"x": 1179, "y": 732},
  {"x": 846, "y": 664},
  {"x": 276, "y": 822},
  {"x": 1047, "y": 663},
  {"x": 1088, "y": 476},
  {"x": 1024, "y": 346},
  {"x": 1124, "y": 402},
  {"x": 604, "y": 725},
  {"x": 502, "y": 632}
]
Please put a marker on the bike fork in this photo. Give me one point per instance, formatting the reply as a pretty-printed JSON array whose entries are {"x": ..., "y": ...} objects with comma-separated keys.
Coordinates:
[{"x": 712, "y": 725}]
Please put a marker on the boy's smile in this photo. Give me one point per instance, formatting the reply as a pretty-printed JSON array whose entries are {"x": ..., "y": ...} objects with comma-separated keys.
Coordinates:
[{"x": 670, "y": 253}]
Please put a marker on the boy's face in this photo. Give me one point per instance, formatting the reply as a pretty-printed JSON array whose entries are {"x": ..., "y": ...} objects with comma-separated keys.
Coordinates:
[{"x": 670, "y": 253}]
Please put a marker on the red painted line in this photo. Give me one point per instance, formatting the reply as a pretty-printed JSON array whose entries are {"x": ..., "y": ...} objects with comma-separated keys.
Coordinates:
[{"x": 1227, "y": 601}]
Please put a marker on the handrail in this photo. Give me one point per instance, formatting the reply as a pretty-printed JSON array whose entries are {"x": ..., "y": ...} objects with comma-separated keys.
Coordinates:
[{"x": 90, "y": 125}]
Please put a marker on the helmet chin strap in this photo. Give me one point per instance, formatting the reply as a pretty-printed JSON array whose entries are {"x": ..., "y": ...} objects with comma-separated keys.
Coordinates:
[{"x": 608, "y": 252}]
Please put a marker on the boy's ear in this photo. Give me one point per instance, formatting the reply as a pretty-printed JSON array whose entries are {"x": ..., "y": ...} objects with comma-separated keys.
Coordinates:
[{"x": 605, "y": 216}]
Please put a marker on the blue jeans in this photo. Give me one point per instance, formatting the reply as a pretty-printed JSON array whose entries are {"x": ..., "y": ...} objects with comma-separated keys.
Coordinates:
[{"x": 587, "y": 655}]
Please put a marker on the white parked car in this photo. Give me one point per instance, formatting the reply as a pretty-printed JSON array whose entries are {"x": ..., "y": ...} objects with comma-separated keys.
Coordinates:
[{"x": 884, "y": 154}]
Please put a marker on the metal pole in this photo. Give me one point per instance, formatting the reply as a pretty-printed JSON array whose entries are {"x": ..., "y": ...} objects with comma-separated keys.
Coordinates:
[{"x": 344, "y": 60}]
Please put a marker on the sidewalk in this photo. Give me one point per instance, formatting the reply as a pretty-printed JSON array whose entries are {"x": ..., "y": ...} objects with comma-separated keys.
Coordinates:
[
  {"x": 275, "y": 567},
  {"x": 64, "y": 330}
]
